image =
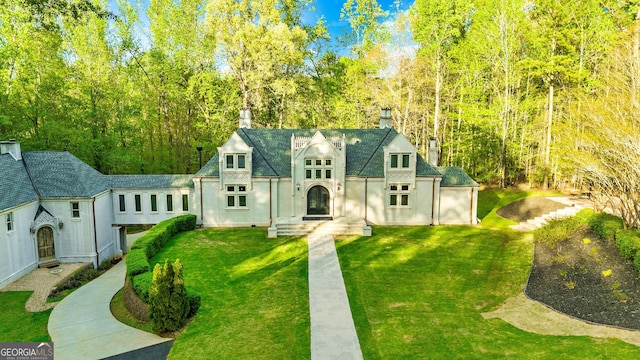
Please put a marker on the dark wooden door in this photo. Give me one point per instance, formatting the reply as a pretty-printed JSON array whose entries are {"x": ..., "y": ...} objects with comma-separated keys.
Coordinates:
[
  {"x": 45, "y": 243},
  {"x": 318, "y": 201}
]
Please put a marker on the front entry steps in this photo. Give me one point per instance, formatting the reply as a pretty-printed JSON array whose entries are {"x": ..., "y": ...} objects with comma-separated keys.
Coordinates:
[
  {"x": 303, "y": 226},
  {"x": 49, "y": 263}
]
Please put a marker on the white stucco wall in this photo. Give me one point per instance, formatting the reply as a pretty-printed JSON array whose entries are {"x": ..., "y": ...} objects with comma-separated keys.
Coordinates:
[
  {"x": 215, "y": 212},
  {"x": 108, "y": 245},
  {"x": 147, "y": 217},
  {"x": 19, "y": 254},
  {"x": 458, "y": 205},
  {"x": 74, "y": 241}
]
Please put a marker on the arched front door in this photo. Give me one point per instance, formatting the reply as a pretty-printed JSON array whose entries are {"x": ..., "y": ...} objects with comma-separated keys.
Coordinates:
[
  {"x": 318, "y": 201},
  {"x": 46, "y": 250}
]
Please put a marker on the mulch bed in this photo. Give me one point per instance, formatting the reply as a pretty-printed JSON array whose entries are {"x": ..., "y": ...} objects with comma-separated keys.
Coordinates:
[
  {"x": 583, "y": 276},
  {"x": 529, "y": 208}
]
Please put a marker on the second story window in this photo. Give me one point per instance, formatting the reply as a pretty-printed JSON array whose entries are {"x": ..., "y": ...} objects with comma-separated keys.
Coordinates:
[
  {"x": 138, "y": 201},
  {"x": 10, "y": 221},
  {"x": 123, "y": 206},
  {"x": 169, "y": 203},
  {"x": 75, "y": 210},
  {"x": 400, "y": 160},
  {"x": 235, "y": 161},
  {"x": 318, "y": 169},
  {"x": 154, "y": 203},
  {"x": 185, "y": 202}
]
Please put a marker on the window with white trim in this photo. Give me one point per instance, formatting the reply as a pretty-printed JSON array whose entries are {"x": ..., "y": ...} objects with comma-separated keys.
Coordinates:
[
  {"x": 185, "y": 202},
  {"x": 169, "y": 203},
  {"x": 138, "y": 202},
  {"x": 235, "y": 161},
  {"x": 400, "y": 161},
  {"x": 399, "y": 195},
  {"x": 154, "y": 203},
  {"x": 123, "y": 204},
  {"x": 318, "y": 169},
  {"x": 10, "y": 221},
  {"x": 75, "y": 210},
  {"x": 236, "y": 196}
]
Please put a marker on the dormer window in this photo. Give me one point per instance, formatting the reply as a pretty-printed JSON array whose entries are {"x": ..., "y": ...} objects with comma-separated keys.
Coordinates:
[
  {"x": 236, "y": 161},
  {"x": 400, "y": 161}
]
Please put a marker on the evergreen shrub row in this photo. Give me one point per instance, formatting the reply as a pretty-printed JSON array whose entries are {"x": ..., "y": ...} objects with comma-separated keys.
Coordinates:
[
  {"x": 146, "y": 247},
  {"x": 611, "y": 227}
]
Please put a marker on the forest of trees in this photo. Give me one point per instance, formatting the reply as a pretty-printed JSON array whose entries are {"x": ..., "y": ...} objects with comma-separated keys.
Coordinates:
[{"x": 542, "y": 92}]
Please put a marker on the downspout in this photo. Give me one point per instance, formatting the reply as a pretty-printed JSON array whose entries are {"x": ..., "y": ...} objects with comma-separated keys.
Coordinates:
[
  {"x": 471, "y": 207},
  {"x": 95, "y": 232},
  {"x": 433, "y": 201},
  {"x": 366, "y": 183},
  {"x": 201, "y": 209},
  {"x": 270, "y": 202}
]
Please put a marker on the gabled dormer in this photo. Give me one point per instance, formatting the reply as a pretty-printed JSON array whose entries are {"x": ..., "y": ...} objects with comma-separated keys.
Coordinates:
[
  {"x": 400, "y": 159},
  {"x": 319, "y": 160},
  {"x": 235, "y": 162}
]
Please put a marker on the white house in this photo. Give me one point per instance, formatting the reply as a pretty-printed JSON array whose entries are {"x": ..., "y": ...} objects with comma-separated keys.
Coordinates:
[{"x": 56, "y": 208}]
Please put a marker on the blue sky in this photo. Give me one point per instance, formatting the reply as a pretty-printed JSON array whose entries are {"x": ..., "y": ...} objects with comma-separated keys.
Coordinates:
[{"x": 330, "y": 9}]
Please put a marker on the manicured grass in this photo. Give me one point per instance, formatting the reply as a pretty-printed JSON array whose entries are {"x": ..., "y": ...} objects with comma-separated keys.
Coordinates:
[
  {"x": 491, "y": 200},
  {"x": 418, "y": 292},
  {"x": 255, "y": 298},
  {"x": 19, "y": 325}
]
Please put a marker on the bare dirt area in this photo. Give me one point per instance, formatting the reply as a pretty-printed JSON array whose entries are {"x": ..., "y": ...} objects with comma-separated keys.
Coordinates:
[{"x": 529, "y": 208}]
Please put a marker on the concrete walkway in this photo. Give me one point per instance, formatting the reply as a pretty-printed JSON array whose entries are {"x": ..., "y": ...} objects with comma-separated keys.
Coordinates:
[
  {"x": 333, "y": 334},
  {"x": 81, "y": 326}
]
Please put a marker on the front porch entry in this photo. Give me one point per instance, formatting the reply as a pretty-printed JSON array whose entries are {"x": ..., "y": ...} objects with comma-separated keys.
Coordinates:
[
  {"x": 318, "y": 201},
  {"x": 46, "y": 247}
]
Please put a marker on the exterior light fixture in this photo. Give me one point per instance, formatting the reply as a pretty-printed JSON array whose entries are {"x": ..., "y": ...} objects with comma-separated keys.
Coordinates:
[
  {"x": 339, "y": 185},
  {"x": 298, "y": 186},
  {"x": 199, "y": 148},
  {"x": 60, "y": 225}
]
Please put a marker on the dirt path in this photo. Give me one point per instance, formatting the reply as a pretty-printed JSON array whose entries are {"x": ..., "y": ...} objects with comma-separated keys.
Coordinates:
[{"x": 531, "y": 316}]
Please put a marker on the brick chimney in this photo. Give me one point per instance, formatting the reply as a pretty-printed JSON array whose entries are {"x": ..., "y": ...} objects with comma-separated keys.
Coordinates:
[
  {"x": 245, "y": 119},
  {"x": 385, "y": 118},
  {"x": 11, "y": 147}
]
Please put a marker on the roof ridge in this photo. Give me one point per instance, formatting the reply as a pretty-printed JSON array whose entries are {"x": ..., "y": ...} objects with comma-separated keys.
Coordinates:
[
  {"x": 373, "y": 153},
  {"x": 244, "y": 131}
]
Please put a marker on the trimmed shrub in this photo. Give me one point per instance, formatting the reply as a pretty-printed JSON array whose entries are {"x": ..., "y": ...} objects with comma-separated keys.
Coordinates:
[
  {"x": 194, "y": 303},
  {"x": 137, "y": 262},
  {"x": 605, "y": 225},
  {"x": 556, "y": 231},
  {"x": 628, "y": 242},
  {"x": 169, "y": 305},
  {"x": 142, "y": 284}
]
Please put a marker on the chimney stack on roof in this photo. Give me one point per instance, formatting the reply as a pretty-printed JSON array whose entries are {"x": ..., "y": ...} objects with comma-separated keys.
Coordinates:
[
  {"x": 433, "y": 151},
  {"x": 11, "y": 147},
  {"x": 245, "y": 119},
  {"x": 385, "y": 118}
]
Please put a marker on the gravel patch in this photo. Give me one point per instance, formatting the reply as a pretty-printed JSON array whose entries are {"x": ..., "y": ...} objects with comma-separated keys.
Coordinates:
[{"x": 41, "y": 281}]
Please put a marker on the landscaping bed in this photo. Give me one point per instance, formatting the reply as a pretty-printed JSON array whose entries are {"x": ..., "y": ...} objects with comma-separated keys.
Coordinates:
[
  {"x": 529, "y": 208},
  {"x": 586, "y": 277}
]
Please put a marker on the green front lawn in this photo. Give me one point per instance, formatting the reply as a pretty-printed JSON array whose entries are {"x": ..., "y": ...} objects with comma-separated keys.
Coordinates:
[
  {"x": 19, "y": 325},
  {"x": 255, "y": 297}
]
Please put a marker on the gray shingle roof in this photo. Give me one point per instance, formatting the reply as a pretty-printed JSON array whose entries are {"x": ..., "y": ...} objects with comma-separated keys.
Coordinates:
[
  {"x": 15, "y": 186},
  {"x": 59, "y": 174},
  {"x": 272, "y": 151},
  {"x": 150, "y": 181},
  {"x": 455, "y": 176}
]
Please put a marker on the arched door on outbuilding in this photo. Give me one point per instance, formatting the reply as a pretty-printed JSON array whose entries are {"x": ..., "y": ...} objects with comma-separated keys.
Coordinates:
[
  {"x": 318, "y": 201},
  {"x": 46, "y": 250}
]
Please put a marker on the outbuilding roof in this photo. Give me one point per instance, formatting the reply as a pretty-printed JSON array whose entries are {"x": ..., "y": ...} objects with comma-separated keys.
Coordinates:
[{"x": 455, "y": 176}]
